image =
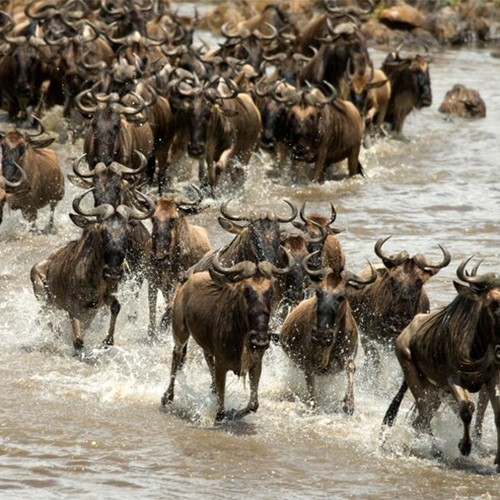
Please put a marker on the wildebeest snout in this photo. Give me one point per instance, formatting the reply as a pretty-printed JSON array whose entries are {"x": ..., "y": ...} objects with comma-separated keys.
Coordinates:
[
  {"x": 322, "y": 337},
  {"x": 259, "y": 340}
]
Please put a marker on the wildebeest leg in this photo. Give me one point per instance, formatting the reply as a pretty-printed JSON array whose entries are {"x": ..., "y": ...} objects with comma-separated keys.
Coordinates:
[
  {"x": 49, "y": 229},
  {"x": 311, "y": 387},
  {"x": 482, "y": 405},
  {"x": 77, "y": 335},
  {"x": 372, "y": 354},
  {"x": 44, "y": 89},
  {"x": 220, "y": 385},
  {"x": 150, "y": 170},
  {"x": 211, "y": 366},
  {"x": 466, "y": 409},
  {"x": 178, "y": 357},
  {"x": 152, "y": 299},
  {"x": 115, "y": 310},
  {"x": 493, "y": 387},
  {"x": 354, "y": 165},
  {"x": 254, "y": 374},
  {"x": 320, "y": 166},
  {"x": 30, "y": 216},
  {"x": 221, "y": 166},
  {"x": 350, "y": 369},
  {"x": 413, "y": 378},
  {"x": 166, "y": 318},
  {"x": 203, "y": 175},
  {"x": 163, "y": 169}
]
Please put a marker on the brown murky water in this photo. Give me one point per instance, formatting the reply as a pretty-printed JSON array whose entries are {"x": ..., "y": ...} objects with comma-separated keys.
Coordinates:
[{"x": 69, "y": 428}]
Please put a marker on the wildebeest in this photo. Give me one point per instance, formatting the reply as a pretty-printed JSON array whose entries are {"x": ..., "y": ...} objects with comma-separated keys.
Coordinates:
[
  {"x": 82, "y": 276},
  {"x": 227, "y": 311},
  {"x": 370, "y": 92},
  {"x": 175, "y": 245},
  {"x": 387, "y": 306},
  {"x": 456, "y": 348},
  {"x": 323, "y": 130},
  {"x": 224, "y": 127},
  {"x": 320, "y": 335},
  {"x": 410, "y": 87},
  {"x": 331, "y": 253},
  {"x": 463, "y": 102},
  {"x": 26, "y": 159},
  {"x": 258, "y": 241}
]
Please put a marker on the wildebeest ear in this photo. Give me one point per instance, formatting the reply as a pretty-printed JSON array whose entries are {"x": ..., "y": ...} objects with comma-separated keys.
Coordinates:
[
  {"x": 230, "y": 113},
  {"x": 336, "y": 230},
  {"x": 465, "y": 291},
  {"x": 80, "y": 221},
  {"x": 230, "y": 226},
  {"x": 42, "y": 143},
  {"x": 298, "y": 225},
  {"x": 217, "y": 278}
]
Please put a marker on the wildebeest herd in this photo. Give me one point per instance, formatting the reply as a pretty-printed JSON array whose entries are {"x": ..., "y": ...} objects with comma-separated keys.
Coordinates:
[{"x": 311, "y": 96}]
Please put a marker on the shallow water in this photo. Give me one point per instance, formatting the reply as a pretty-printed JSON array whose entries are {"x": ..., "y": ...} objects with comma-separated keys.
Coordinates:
[{"x": 96, "y": 430}]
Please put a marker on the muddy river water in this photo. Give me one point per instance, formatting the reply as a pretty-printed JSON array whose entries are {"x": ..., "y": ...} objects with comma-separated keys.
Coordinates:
[{"x": 80, "y": 430}]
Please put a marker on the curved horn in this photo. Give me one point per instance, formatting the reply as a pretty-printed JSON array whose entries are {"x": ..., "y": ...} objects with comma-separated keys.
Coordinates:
[
  {"x": 483, "y": 281},
  {"x": 228, "y": 216},
  {"x": 269, "y": 269},
  {"x": 81, "y": 107},
  {"x": 293, "y": 215},
  {"x": 123, "y": 170},
  {"x": 321, "y": 238},
  {"x": 224, "y": 29},
  {"x": 76, "y": 168},
  {"x": 318, "y": 101},
  {"x": 319, "y": 273},
  {"x": 389, "y": 261},
  {"x": 134, "y": 213},
  {"x": 129, "y": 110},
  {"x": 119, "y": 41},
  {"x": 350, "y": 277},
  {"x": 182, "y": 200},
  {"x": 40, "y": 126},
  {"x": 153, "y": 42},
  {"x": 103, "y": 211},
  {"x": 42, "y": 13},
  {"x": 242, "y": 270},
  {"x": 426, "y": 265},
  {"x": 258, "y": 34},
  {"x": 15, "y": 184}
]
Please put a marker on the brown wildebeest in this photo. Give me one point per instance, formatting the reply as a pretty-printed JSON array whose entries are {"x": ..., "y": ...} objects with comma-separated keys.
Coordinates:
[
  {"x": 387, "y": 306},
  {"x": 331, "y": 253},
  {"x": 115, "y": 185},
  {"x": 320, "y": 335},
  {"x": 456, "y": 348},
  {"x": 175, "y": 246},
  {"x": 323, "y": 130},
  {"x": 82, "y": 276},
  {"x": 24, "y": 158},
  {"x": 224, "y": 127},
  {"x": 463, "y": 102},
  {"x": 227, "y": 311},
  {"x": 370, "y": 91},
  {"x": 410, "y": 87}
]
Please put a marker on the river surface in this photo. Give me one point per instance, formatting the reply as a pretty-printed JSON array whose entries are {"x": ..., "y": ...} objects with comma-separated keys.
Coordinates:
[{"x": 96, "y": 430}]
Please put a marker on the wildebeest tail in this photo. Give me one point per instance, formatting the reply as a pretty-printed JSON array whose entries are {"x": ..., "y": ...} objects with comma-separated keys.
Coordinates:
[{"x": 393, "y": 409}]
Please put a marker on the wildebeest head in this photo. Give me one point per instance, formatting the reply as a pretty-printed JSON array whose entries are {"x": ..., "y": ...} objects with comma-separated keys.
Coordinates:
[
  {"x": 170, "y": 213},
  {"x": 107, "y": 114},
  {"x": 304, "y": 131},
  {"x": 331, "y": 296},
  {"x": 201, "y": 103},
  {"x": 400, "y": 283},
  {"x": 15, "y": 146},
  {"x": 259, "y": 240},
  {"x": 483, "y": 289},
  {"x": 252, "y": 287},
  {"x": 110, "y": 182},
  {"x": 410, "y": 74},
  {"x": 111, "y": 229}
]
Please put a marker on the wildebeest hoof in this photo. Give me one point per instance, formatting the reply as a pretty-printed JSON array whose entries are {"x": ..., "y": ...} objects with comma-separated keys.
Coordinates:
[
  {"x": 167, "y": 398},
  {"x": 221, "y": 415},
  {"x": 107, "y": 342},
  {"x": 78, "y": 345},
  {"x": 49, "y": 230},
  {"x": 465, "y": 447}
]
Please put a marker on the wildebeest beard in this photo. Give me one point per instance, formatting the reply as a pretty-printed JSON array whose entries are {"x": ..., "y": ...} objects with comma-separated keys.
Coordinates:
[{"x": 105, "y": 130}]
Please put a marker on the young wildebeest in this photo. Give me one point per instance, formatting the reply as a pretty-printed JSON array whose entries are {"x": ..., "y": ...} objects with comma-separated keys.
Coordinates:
[
  {"x": 175, "y": 245},
  {"x": 456, "y": 348},
  {"x": 227, "y": 312},
  {"x": 384, "y": 308},
  {"x": 410, "y": 87},
  {"x": 331, "y": 253},
  {"x": 83, "y": 275},
  {"x": 320, "y": 335},
  {"x": 31, "y": 174}
]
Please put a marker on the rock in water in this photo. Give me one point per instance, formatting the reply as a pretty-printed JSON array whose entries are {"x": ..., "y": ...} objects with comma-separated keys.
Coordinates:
[{"x": 463, "y": 102}]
